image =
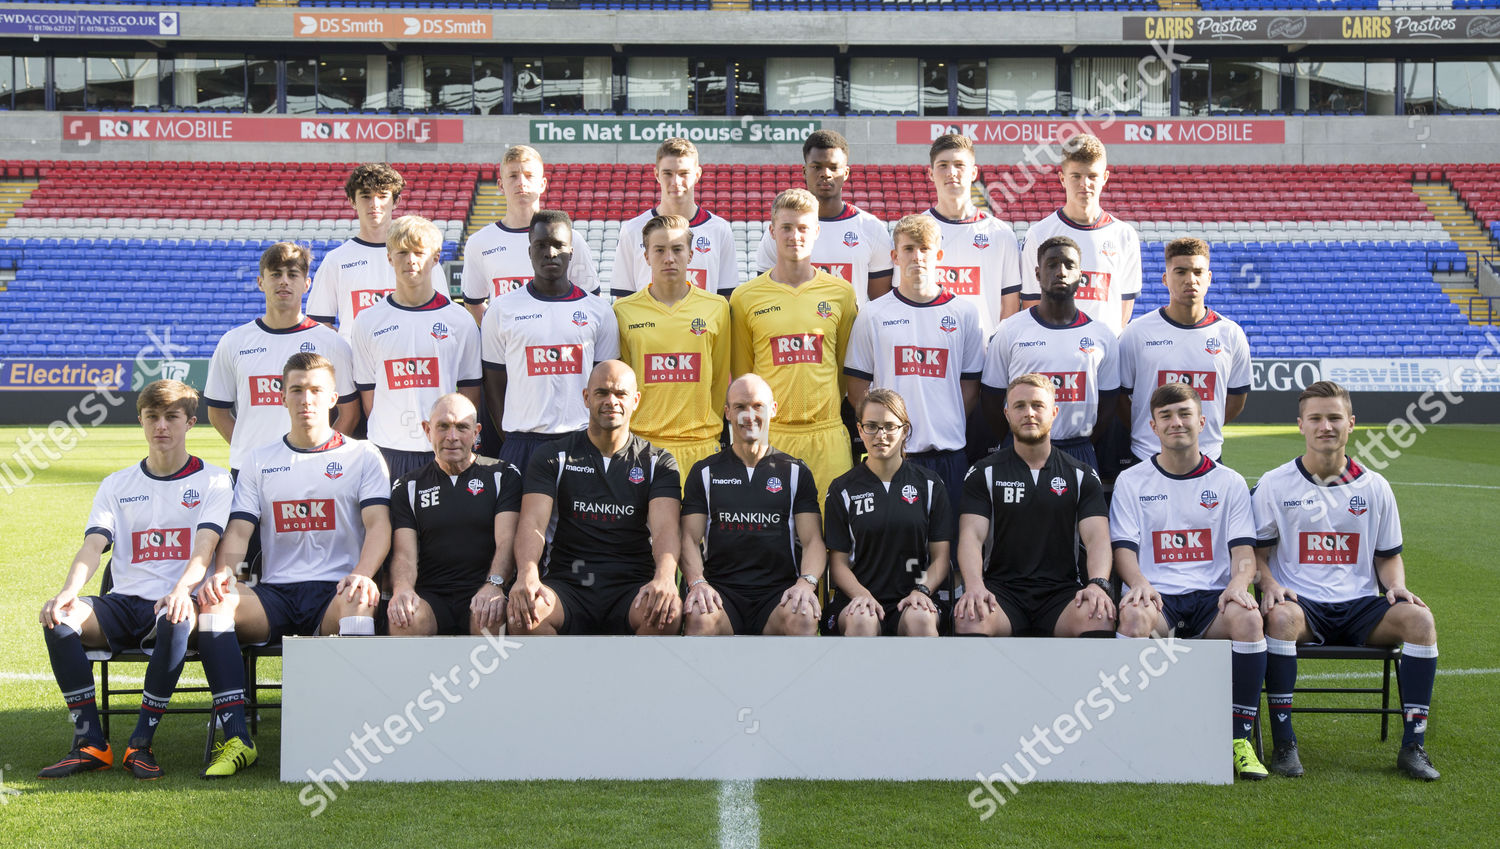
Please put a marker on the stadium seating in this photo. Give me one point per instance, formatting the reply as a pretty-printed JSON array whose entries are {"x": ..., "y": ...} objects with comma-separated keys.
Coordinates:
[{"x": 93, "y": 269}]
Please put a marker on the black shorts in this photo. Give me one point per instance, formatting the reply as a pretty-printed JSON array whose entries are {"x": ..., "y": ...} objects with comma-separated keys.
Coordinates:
[
  {"x": 1033, "y": 611},
  {"x": 294, "y": 609},
  {"x": 951, "y": 466},
  {"x": 400, "y": 463},
  {"x": 1344, "y": 623},
  {"x": 749, "y": 608},
  {"x": 888, "y": 626},
  {"x": 600, "y": 607},
  {"x": 450, "y": 609},
  {"x": 127, "y": 621},
  {"x": 1190, "y": 614}
]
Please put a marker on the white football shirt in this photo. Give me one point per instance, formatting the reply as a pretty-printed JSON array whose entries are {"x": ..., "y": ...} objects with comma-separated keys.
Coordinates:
[
  {"x": 1326, "y": 536},
  {"x": 496, "y": 261},
  {"x": 922, "y": 351},
  {"x": 715, "y": 265},
  {"x": 547, "y": 347},
  {"x": 245, "y": 376},
  {"x": 1111, "y": 255},
  {"x": 151, "y": 522},
  {"x": 354, "y": 277},
  {"x": 1081, "y": 358},
  {"x": 1212, "y": 356},
  {"x": 410, "y": 357},
  {"x": 308, "y": 505},
  {"x": 852, "y": 245},
  {"x": 981, "y": 262},
  {"x": 1182, "y": 527}
]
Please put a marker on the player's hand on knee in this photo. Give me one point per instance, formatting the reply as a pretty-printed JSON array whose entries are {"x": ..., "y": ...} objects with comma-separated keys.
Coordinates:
[
  {"x": 801, "y": 600},
  {"x": 1099, "y": 605},
  {"x": 216, "y": 587},
  {"x": 523, "y": 602},
  {"x": 1272, "y": 594},
  {"x": 359, "y": 589},
  {"x": 977, "y": 604},
  {"x": 403, "y": 608},
  {"x": 178, "y": 605},
  {"x": 659, "y": 600},
  {"x": 1237, "y": 595},
  {"x": 488, "y": 607},
  {"x": 703, "y": 599},
  {"x": 916, "y": 600},
  {"x": 1144, "y": 595},
  {"x": 1397, "y": 594},
  {"x": 56, "y": 609},
  {"x": 866, "y": 605}
]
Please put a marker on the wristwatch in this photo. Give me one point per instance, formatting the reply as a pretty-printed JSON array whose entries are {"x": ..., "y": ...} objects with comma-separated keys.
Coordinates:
[
  {"x": 495, "y": 581},
  {"x": 811, "y": 579},
  {"x": 1101, "y": 584},
  {"x": 923, "y": 589}
]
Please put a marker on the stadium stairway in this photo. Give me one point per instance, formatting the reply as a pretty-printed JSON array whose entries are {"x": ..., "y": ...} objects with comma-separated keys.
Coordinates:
[
  {"x": 1449, "y": 210},
  {"x": 13, "y": 195},
  {"x": 487, "y": 208},
  {"x": 1178, "y": 5}
]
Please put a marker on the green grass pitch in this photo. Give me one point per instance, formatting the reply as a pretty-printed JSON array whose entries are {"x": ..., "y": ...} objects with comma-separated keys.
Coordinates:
[{"x": 1448, "y": 484}]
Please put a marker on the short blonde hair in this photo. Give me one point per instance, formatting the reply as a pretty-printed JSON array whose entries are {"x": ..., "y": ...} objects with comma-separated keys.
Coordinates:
[
  {"x": 1084, "y": 149},
  {"x": 1040, "y": 381},
  {"x": 413, "y": 231},
  {"x": 521, "y": 153},
  {"x": 800, "y": 201},
  {"x": 922, "y": 229},
  {"x": 168, "y": 395},
  {"x": 668, "y": 223}
]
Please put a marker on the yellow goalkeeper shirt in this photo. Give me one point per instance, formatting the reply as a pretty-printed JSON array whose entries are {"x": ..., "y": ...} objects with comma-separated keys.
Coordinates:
[
  {"x": 680, "y": 355},
  {"x": 795, "y": 338}
]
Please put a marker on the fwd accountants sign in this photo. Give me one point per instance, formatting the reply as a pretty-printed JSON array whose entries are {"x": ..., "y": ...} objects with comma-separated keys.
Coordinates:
[
  {"x": 384, "y": 27},
  {"x": 254, "y": 128}
]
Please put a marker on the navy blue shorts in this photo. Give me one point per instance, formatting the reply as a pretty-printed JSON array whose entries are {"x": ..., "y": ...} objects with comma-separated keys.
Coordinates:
[
  {"x": 1190, "y": 614},
  {"x": 951, "y": 466},
  {"x": 294, "y": 609},
  {"x": 400, "y": 462},
  {"x": 600, "y": 606},
  {"x": 520, "y": 445},
  {"x": 1034, "y": 610},
  {"x": 450, "y": 609},
  {"x": 749, "y": 609},
  {"x": 1344, "y": 623},
  {"x": 1080, "y": 448},
  {"x": 128, "y": 621}
]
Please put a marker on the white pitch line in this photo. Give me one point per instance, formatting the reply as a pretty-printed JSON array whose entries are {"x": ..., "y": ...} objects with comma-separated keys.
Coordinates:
[
  {"x": 739, "y": 818},
  {"x": 118, "y": 679},
  {"x": 46, "y": 485},
  {"x": 1344, "y": 676},
  {"x": 1449, "y": 485}
]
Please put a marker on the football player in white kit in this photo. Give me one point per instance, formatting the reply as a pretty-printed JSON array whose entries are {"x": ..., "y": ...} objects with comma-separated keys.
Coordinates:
[
  {"x": 1109, "y": 248},
  {"x": 925, "y": 343},
  {"x": 163, "y": 516},
  {"x": 852, "y": 244},
  {"x": 538, "y": 344},
  {"x": 355, "y": 275},
  {"x": 1184, "y": 542},
  {"x": 411, "y": 349},
  {"x": 981, "y": 260},
  {"x": 715, "y": 265},
  {"x": 1184, "y": 342},
  {"x": 496, "y": 259},
  {"x": 322, "y": 503},
  {"x": 1057, "y": 339},
  {"x": 243, "y": 392},
  {"x": 1328, "y": 546}
]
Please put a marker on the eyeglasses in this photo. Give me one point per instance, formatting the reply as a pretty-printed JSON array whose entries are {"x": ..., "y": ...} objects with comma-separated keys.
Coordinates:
[{"x": 873, "y": 428}]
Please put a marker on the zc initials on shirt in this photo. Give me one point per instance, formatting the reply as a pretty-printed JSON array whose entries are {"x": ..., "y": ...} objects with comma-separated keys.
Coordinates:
[
  {"x": 159, "y": 544},
  {"x": 1202, "y": 381},
  {"x": 298, "y": 516}
]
